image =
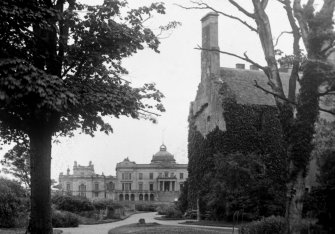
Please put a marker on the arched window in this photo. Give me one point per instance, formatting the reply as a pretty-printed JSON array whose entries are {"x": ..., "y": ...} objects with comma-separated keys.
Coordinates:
[
  {"x": 146, "y": 197},
  {"x": 121, "y": 197},
  {"x": 140, "y": 197},
  {"x": 132, "y": 197},
  {"x": 126, "y": 197}
]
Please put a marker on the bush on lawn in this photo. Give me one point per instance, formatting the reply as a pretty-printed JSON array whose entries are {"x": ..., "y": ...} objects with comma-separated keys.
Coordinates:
[
  {"x": 161, "y": 209},
  {"x": 74, "y": 204},
  {"x": 64, "y": 219},
  {"x": 170, "y": 211},
  {"x": 272, "y": 224}
]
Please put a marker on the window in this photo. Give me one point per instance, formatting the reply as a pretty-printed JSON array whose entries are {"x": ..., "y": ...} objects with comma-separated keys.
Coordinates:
[
  {"x": 96, "y": 186},
  {"x": 82, "y": 190},
  {"x": 126, "y": 176},
  {"x": 172, "y": 174},
  {"x": 126, "y": 186},
  {"x": 96, "y": 194},
  {"x": 166, "y": 174},
  {"x": 68, "y": 188},
  {"x": 140, "y": 186},
  {"x": 160, "y": 174},
  {"x": 181, "y": 175},
  {"x": 110, "y": 186},
  {"x": 151, "y": 187},
  {"x": 151, "y": 176},
  {"x": 140, "y": 176}
]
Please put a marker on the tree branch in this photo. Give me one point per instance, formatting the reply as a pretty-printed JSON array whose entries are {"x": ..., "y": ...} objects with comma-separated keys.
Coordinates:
[
  {"x": 201, "y": 5},
  {"x": 281, "y": 34},
  {"x": 245, "y": 58},
  {"x": 286, "y": 99},
  {"x": 241, "y": 9},
  {"x": 294, "y": 76},
  {"x": 298, "y": 13}
]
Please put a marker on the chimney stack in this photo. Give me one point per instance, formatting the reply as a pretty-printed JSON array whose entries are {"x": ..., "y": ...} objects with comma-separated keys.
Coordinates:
[
  {"x": 254, "y": 67},
  {"x": 210, "y": 60},
  {"x": 240, "y": 66}
]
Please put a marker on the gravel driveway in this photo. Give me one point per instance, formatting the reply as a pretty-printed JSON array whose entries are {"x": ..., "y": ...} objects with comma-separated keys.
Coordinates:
[{"x": 104, "y": 228}]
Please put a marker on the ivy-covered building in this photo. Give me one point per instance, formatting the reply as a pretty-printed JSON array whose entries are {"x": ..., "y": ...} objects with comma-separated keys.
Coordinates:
[{"x": 229, "y": 115}]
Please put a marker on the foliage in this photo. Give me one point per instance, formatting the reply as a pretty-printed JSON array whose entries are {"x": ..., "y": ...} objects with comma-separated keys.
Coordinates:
[
  {"x": 239, "y": 170},
  {"x": 272, "y": 224},
  {"x": 320, "y": 202},
  {"x": 64, "y": 219},
  {"x": 170, "y": 211},
  {"x": 102, "y": 204},
  {"x": 74, "y": 204},
  {"x": 145, "y": 207},
  {"x": 14, "y": 204},
  {"x": 173, "y": 212},
  {"x": 60, "y": 71},
  {"x": 182, "y": 200},
  {"x": 17, "y": 163}
]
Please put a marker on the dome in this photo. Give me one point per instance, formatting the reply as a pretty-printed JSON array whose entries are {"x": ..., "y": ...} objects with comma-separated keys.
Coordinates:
[{"x": 163, "y": 156}]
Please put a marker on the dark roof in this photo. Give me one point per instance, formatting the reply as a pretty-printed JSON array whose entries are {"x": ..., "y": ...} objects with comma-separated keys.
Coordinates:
[
  {"x": 240, "y": 85},
  {"x": 163, "y": 156}
]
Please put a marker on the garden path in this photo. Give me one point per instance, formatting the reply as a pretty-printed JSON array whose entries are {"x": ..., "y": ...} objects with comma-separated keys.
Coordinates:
[{"x": 149, "y": 218}]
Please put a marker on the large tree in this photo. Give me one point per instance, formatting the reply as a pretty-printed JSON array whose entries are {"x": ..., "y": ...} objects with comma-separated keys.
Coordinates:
[
  {"x": 298, "y": 115},
  {"x": 60, "y": 71}
]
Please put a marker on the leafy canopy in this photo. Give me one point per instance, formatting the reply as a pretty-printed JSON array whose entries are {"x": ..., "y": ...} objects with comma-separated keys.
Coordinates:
[{"x": 60, "y": 65}]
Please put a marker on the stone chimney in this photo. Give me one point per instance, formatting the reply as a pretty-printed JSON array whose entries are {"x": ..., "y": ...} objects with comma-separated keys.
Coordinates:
[
  {"x": 254, "y": 67},
  {"x": 210, "y": 60},
  {"x": 240, "y": 66}
]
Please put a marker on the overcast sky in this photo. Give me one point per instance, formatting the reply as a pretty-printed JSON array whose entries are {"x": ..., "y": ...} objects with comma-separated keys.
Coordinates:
[{"x": 176, "y": 72}]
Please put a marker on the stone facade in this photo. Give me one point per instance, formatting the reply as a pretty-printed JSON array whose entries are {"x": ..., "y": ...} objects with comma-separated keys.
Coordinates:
[
  {"x": 84, "y": 182},
  {"x": 159, "y": 181}
]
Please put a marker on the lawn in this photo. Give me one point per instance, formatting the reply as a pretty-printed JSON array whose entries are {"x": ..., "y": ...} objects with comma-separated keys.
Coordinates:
[
  {"x": 210, "y": 223},
  {"x": 164, "y": 229}
]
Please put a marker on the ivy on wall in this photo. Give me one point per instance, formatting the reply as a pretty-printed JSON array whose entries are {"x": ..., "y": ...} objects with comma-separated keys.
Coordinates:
[{"x": 249, "y": 130}]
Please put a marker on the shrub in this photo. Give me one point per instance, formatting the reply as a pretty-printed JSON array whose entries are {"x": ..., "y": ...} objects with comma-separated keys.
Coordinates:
[
  {"x": 170, "y": 211},
  {"x": 161, "y": 209},
  {"x": 173, "y": 212},
  {"x": 145, "y": 207},
  {"x": 64, "y": 219},
  {"x": 14, "y": 204},
  {"x": 72, "y": 204},
  {"x": 272, "y": 224}
]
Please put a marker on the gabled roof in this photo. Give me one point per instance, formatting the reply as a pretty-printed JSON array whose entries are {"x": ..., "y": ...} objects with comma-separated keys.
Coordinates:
[{"x": 240, "y": 85}]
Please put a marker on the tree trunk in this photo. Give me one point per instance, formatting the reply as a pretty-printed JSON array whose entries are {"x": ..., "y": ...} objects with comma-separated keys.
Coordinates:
[
  {"x": 294, "y": 205},
  {"x": 40, "y": 217},
  {"x": 198, "y": 210}
]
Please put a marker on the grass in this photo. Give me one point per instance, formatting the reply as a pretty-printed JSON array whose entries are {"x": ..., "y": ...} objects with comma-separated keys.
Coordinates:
[
  {"x": 209, "y": 223},
  {"x": 151, "y": 228}
]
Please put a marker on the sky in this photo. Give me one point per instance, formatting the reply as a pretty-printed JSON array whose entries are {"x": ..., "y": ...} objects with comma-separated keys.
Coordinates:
[{"x": 176, "y": 72}]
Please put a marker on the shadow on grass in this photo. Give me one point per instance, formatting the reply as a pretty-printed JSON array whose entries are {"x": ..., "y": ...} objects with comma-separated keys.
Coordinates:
[{"x": 151, "y": 228}]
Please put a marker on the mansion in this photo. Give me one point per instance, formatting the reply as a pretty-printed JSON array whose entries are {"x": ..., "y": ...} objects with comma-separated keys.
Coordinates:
[{"x": 159, "y": 181}]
